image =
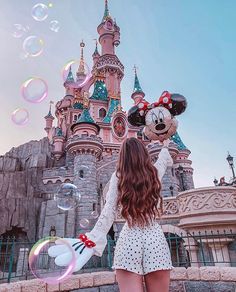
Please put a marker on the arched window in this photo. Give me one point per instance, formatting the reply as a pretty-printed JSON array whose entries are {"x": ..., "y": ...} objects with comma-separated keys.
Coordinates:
[
  {"x": 81, "y": 173},
  {"x": 75, "y": 117},
  {"x": 102, "y": 113}
]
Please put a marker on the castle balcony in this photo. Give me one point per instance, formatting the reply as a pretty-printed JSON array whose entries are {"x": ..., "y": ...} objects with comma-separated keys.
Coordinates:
[
  {"x": 57, "y": 174},
  {"x": 211, "y": 207},
  {"x": 85, "y": 144}
]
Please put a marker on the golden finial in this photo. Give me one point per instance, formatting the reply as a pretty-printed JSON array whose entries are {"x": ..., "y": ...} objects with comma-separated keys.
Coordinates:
[{"x": 86, "y": 99}]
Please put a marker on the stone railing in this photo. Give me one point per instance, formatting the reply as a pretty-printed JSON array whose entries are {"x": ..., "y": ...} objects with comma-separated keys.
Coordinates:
[
  {"x": 182, "y": 280},
  {"x": 211, "y": 205},
  {"x": 204, "y": 205}
]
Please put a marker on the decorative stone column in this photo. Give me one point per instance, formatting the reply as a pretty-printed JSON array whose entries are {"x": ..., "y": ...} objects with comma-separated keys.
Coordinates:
[{"x": 220, "y": 252}]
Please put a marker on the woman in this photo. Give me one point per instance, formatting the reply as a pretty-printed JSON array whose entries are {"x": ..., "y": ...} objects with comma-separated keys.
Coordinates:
[{"x": 141, "y": 250}]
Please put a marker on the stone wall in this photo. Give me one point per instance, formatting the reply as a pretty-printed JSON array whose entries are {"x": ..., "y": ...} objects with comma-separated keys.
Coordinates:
[
  {"x": 21, "y": 188},
  {"x": 204, "y": 279}
]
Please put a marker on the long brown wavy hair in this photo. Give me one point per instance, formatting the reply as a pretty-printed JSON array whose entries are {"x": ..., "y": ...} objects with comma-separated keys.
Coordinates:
[{"x": 138, "y": 184}]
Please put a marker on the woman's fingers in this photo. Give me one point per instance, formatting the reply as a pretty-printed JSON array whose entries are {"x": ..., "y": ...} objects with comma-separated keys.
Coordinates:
[
  {"x": 64, "y": 259},
  {"x": 83, "y": 258},
  {"x": 56, "y": 250}
]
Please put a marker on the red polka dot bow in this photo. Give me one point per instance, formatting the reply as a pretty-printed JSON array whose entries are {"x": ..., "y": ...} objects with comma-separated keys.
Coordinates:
[
  {"x": 164, "y": 100},
  {"x": 88, "y": 243}
]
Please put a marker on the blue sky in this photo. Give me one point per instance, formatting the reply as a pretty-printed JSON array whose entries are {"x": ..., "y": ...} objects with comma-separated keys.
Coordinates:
[{"x": 178, "y": 45}]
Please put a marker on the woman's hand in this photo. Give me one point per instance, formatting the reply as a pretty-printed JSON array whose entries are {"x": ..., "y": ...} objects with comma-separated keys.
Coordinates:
[
  {"x": 165, "y": 143},
  {"x": 83, "y": 247}
]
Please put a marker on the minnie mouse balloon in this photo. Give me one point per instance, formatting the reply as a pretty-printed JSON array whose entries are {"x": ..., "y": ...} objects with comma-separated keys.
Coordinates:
[
  {"x": 159, "y": 117},
  {"x": 160, "y": 125}
]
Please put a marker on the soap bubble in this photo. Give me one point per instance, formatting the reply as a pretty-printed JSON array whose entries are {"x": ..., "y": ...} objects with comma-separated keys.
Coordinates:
[
  {"x": 20, "y": 116},
  {"x": 43, "y": 266},
  {"x": 19, "y": 30},
  {"x": 84, "y": 223},
  {"x": 94, "y": 214},
  {"x": 67, "y": 197},
  {"x": 54, "y": 25},
  {"x": 83, "y": 172},
  {"x": 33, "y": 46},
  {"x": 34, "y": 90},
  {"x": 74, "y": 65},
  {"x": 39, "y": 12}
]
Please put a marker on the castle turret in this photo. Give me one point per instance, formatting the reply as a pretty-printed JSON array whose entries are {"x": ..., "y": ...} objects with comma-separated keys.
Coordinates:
[
  {"x": 49, "y": 121},
  {"x": 109, "y": 33},
  {"x": 86, "y": 147},
  {"x": 138, "y": 93}
]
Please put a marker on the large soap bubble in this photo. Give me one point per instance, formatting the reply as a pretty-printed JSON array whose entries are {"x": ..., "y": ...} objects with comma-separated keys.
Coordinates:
[
  {"x": 20, "y": 116},
  {"x": 33, "y": 45},
  {"x": 43, "y": 266},
  {"x": 34, "y": 90},
  {"x": 39, "y": 12},
  {"x": 67, "y": 197}
]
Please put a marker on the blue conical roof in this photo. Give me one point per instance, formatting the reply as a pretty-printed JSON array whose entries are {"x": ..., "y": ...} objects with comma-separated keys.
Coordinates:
[
  {"x": 137, "y": 86},
  {"x": 177, "y": 140},
  {"x": 70, "y": 77},
  {"x": 85, "y": 117}
]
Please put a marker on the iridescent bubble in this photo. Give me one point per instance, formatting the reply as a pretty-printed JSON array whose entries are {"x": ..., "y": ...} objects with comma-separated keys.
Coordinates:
[
  {"x": 94, "y": 214},
  {"x": 43, "y": 266},
  {"x": 67, "y": 197},
  {"x": 84, "y": 223},
  {"x": 34, "y": 90},
  {"x": 54, "y": 25},
  {"x": 83, "y": 172},
  {"x": 19, "y": 30},
  {"x": 33, "y": 46},
  {"x": 80, "y": 78},
  {"x": 39, "y": 12},
  {"x": 20, "y": 116}
]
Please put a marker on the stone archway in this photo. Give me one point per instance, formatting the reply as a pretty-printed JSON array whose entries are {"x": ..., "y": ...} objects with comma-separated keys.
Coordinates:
[{"x": 182, "y": 245}]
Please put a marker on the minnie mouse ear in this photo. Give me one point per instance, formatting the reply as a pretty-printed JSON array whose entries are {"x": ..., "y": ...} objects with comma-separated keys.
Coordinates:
[
  {"x": 179, "y": 104},
  {"x": 134, "y": 117}
]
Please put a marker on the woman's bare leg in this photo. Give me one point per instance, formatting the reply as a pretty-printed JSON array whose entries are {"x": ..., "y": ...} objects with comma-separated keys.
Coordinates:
[
  {"x": 129, "y": 281},
  {"x": 157, "y": 281}
]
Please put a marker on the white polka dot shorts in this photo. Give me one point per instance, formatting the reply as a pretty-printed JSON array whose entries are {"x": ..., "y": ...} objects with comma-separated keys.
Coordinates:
[{"x": 142, "y": 250}]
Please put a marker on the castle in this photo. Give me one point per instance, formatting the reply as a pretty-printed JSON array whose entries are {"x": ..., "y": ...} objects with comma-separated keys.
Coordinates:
[{"x": 82, "y": 146}]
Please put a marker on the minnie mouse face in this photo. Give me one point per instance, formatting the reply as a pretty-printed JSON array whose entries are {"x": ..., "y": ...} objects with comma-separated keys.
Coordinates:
[
  {"x": 159, "y": 117},
  {"x": 160, "y": 125}
]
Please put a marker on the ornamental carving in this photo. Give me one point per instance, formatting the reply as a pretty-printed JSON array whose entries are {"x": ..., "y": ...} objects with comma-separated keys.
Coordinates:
[
  {"x": 207, "y": 201},
  {"x": 170, "y": 207},
  {"x": 109, "y": 60}
]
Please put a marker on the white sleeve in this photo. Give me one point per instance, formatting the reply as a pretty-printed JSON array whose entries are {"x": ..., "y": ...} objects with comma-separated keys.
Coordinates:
[
  {"x": 164, "y": 160},
  {"x": 99, "y": 233}
]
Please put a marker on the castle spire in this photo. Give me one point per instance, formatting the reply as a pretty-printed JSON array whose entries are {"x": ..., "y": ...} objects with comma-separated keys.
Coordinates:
[
  {"x": 81, "y": 69},
  {"x": 70, "y": 77},
  {"x": 49, "y": 115},
  {"x": 137, "y": 86},
  {"x": 96, "y": 49},
  {"x": 106, "y": 12},
  {"x": 138, "y": 93}
]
